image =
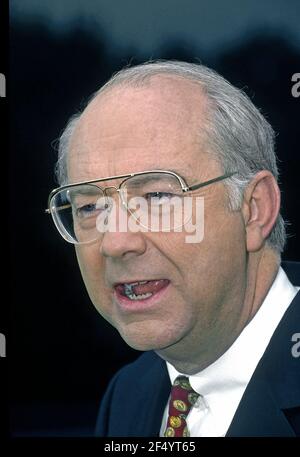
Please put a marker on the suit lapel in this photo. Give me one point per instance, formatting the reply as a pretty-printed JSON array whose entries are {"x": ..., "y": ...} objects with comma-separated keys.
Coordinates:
[
  {"x": 152, "y": 396},
  {"x": 274, "y": 388},
  {"x": 259, "y": 414}
]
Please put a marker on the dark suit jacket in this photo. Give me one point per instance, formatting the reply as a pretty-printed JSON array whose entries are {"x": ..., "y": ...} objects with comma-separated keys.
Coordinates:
[{"x": 137, "y": 395}]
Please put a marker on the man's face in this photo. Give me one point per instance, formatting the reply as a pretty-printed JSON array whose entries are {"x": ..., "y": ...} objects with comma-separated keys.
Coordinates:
[{"x": 200, "y": 310}]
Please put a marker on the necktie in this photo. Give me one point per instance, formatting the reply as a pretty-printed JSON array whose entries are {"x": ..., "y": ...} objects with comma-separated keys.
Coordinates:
[{"x": 183, "y": 398}]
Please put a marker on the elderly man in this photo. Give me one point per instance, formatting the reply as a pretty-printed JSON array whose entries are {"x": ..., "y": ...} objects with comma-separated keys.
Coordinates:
[{"x": 217, "y": 314}]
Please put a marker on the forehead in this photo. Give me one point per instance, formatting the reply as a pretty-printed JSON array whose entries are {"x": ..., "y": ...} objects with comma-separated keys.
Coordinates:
[{"x": 130, "y": 129}]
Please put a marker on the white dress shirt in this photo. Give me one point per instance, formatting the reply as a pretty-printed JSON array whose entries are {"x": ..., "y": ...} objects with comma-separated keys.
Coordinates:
[{"x": 222, "y": 384}]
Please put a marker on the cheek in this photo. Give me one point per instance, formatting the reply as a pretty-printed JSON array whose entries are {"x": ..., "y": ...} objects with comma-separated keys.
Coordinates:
[
  {"x": 88, "y": 260},
  {"x": 225, "y": 236},
  {"x": 206, "y": 266},
  {"x": 91, "y": 267},
  {"x": 220, "y": 258}
]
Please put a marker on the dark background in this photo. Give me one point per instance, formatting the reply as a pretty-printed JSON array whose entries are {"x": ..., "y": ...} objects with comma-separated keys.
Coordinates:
[
  {"x": 4, "y": 310},
  {"x": 61, "y": 352}
]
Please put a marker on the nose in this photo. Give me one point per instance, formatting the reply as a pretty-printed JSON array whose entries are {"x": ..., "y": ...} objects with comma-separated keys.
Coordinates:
[{"x": 122, "y": 244}]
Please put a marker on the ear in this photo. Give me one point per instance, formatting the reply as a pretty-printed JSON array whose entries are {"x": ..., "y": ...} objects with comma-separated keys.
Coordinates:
[{"x": 260, "y": 209}]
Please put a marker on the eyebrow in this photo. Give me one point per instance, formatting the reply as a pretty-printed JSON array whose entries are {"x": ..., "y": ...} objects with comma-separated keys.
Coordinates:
[
  {"x": 140, "y": 179},
  {"x": 74, "y": 192},
  {"x": 176, "y": 171},
  {"x": 184, "y": 175}
]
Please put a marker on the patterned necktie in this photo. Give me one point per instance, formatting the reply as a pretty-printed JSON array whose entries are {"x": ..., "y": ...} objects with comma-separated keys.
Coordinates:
[{"x": 183, "y": 398}]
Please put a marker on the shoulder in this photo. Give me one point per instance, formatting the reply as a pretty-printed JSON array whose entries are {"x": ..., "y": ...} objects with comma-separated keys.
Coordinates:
[
  {"x": 132, "y": 374},
  {"x": 141, "y": 367},
  {"x": 127, "y": 390},
  {"x": 292, "y": 270}
]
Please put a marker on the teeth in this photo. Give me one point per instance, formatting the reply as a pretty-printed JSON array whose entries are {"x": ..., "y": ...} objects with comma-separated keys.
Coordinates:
[
  {"x": 128, "y": 287},
  {"x": 130, "y": 294},
  {"x": 134, "y": 283},
  {"x": 139, "y": 297}
]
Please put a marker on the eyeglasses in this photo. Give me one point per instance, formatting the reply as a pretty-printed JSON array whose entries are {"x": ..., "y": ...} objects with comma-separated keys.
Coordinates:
[{"x": 80, "y": 211}]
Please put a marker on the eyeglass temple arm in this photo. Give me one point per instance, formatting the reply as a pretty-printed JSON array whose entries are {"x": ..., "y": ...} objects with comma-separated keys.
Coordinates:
[
  {"x": 211, "y": 181},
  {"x": 47, "y": 210}
]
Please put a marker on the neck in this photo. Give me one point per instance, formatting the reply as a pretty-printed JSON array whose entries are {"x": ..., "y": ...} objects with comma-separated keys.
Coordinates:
[{"x": 262, "y": 270}]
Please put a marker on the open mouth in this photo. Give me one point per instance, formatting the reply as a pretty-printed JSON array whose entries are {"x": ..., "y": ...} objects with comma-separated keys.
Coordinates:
[{"x": 140, "y": 290}]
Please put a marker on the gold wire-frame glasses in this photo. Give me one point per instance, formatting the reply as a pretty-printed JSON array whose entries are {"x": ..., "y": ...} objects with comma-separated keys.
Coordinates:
[{"x": 52, "y": 209}]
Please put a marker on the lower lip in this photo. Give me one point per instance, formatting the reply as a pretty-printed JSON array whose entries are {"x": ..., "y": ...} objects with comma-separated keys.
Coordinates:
[{"x": 139, "y": 305}]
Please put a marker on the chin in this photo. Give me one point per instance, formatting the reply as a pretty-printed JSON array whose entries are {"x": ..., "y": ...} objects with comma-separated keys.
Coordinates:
[
  {"x": 147, "y": 340},
  {"x": 142, "y": 343}
]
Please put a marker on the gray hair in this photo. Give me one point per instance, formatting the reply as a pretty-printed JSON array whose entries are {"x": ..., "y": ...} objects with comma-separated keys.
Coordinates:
[{"x": 237, "y": 134}]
